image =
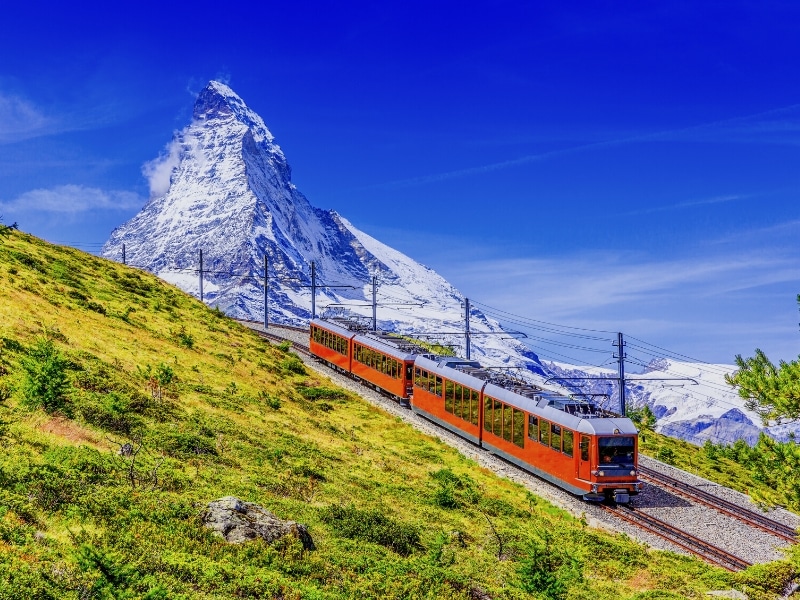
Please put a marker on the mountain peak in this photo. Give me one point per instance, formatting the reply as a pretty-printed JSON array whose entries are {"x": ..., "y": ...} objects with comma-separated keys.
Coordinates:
[{"x": 218, "y": 101}]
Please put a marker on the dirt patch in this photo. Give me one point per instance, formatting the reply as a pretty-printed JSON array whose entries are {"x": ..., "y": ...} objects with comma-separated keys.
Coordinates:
[{"x": 68, "y": 430}]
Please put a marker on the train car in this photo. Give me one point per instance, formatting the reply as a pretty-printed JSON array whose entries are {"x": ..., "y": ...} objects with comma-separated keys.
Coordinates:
[
  {"x": 381, "y": 360},
  {"x": 449, "y": 397},
  {"x": 332, "y": 342},
  {"x": 386, "y": 362},
  {"x": 568, "y": 442}
]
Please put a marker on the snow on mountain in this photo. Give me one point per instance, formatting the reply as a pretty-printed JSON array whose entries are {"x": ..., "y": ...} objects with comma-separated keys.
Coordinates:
[{"x": 224, "y": 188}]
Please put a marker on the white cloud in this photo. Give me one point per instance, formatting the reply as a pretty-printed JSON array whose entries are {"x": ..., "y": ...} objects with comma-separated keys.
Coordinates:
[
  {"x": 20, "y": 119},
  {"x": 71, "y": 199},
  {"x": 159, "y": 170}
]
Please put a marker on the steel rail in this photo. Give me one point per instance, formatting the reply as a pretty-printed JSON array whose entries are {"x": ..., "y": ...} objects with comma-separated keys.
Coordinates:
[
  {"x": 731, "y": 509},
  {"x": 680, "y": 538}
]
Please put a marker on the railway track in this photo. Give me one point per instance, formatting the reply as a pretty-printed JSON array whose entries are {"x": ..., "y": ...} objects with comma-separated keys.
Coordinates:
[
  {"x": 647, "y": 522},
  {"x": 678, "y": 537},
  {"x": 752, "y": 518}
]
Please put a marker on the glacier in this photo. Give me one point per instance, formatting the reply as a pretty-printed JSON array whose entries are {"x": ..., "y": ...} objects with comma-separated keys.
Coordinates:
[{"x": 223, "y": 187}]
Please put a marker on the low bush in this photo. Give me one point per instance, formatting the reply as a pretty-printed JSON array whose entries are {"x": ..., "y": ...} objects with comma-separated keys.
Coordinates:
[
  {"x": 372, "y": 526},
  {"x": 45, "y": 384}
]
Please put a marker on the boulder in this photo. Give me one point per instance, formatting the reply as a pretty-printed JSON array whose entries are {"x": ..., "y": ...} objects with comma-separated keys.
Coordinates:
[{"x": 238, "y": 521}]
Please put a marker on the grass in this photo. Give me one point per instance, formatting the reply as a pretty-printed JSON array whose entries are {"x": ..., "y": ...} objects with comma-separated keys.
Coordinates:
[{"x": 208, "y": 410}]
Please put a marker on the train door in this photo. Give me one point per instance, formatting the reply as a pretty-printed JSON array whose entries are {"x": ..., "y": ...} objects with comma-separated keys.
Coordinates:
[{"x": 584, "y": 464}]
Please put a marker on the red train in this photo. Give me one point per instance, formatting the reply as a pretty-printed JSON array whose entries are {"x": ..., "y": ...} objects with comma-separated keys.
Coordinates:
[{"x": 571, "y": 443}]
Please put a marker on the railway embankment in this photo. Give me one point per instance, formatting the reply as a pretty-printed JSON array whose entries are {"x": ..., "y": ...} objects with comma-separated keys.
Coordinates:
[{"x": 722, "y": 525}]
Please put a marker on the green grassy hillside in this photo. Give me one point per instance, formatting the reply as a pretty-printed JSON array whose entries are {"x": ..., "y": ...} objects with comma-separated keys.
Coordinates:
[{"x": 94, "y": 355}]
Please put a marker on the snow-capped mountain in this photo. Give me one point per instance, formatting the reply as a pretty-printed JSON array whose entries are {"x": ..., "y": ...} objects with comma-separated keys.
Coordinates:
[{"x": 224, "y": 188}]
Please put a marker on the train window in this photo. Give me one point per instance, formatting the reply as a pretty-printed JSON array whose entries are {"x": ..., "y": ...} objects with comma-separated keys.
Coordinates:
[
  {"x": 474, "y": 406},
  {"x": 508, "y": 425},
  {"x": 567, "y": 442},
  {"x": 439, "y": 390},
  {"x": 449, "y": 389},
  {"x": 544, "y": 432},
  {"x": 584, "y": 448},
  {"x": 555, "y": 437},
  {"x": 409, "y": 372},
  {"x": 533, "y": 427},
  {"x": 487, "y": 413},
  {"x": 518, "y": 436},
  {"x": 497, "y": 425},
  {"x": 418, "y": 377}
]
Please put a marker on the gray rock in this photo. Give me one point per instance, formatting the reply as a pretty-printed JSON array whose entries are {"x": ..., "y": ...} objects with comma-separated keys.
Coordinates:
[{"x": 238, "y": 521}]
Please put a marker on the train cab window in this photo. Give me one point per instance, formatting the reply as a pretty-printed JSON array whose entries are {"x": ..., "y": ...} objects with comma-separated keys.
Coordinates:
[
  {"x": 409, "y": 372},
  {"x": 518, "y": 435},
  {"x": 544, "y": 432},
  {"x": 508, "y": 426},
  {"x": 616, "y": 451},
  {"x": 555, "y": 437},
  {"x": 473, "y": 404},
  {"x": 584, "y": 448},
  {"x": 533, "y": 427},
  {"x": 567, "y": 442},
  {"x": 487, "y": 413}
]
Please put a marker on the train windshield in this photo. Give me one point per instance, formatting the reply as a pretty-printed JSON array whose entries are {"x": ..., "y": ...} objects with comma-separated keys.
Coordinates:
[{"x": 616, "y": 451}]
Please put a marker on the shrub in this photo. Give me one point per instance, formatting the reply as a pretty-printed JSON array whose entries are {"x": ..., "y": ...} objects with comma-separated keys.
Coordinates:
[
  {"x": 184, "y": 338},
  {"x": 292, "y": 364},
  {"x": 372, "y": 526},
  {"x": 272, "y": 401},
  {"x": 548, "y": 570},
  {"x": 45, "y": 382},
  {"x": 453, "y": 490},
  {"x": 321, "y": 393}
]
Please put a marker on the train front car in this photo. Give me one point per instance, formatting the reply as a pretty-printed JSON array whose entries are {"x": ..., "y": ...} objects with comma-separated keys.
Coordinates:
[{"x": 571, "y": 443}]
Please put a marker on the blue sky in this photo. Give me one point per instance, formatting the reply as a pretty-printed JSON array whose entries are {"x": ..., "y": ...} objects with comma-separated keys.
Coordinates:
[{"x": 618, "y": 166}]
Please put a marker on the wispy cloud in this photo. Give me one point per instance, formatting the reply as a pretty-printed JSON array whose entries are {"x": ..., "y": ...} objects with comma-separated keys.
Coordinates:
[
  {"x": 71, "y": 199},
  {"x": 688, "y": 204},
  {"x": 20, "y": 119},
  {"x": 564, "y": 288},
  {"x": 770, "y": 121}
]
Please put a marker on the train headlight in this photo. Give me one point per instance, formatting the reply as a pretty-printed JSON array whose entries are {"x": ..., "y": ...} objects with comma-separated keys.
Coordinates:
[
  {"x": 601, "y": 474},
  {"x": 633, "y": 472}
]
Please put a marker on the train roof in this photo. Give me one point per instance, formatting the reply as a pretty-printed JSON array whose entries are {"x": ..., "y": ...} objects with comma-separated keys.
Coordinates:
[
  {"x": 391, "y": 344},
  {"x": 575, "y": 413}
]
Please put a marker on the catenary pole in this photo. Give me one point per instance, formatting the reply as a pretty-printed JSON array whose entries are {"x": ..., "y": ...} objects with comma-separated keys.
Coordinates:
[
  {"x": 124, "y": 262},
  {"x": 466, "y": 328},
  {"x": 621, "y": 367},
  {"x": 374, "y": 303},
  {"x": 313, "y": 291}
]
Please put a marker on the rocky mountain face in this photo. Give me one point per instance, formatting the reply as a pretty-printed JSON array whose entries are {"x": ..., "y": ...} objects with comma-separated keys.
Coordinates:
[{"x": 223, "y": 188}]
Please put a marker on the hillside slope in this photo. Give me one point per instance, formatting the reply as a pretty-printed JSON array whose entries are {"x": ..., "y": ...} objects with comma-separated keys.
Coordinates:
[{"x": 211, "y": 410}]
